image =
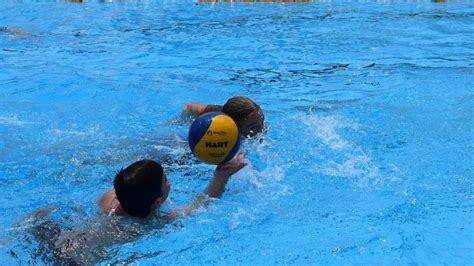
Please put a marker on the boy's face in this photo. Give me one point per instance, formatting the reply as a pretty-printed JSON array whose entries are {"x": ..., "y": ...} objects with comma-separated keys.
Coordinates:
[{"x": 252, "y": 125}]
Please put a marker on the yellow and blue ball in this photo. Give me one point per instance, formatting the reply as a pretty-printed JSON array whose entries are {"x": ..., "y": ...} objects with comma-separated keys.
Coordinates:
[{"x": 214, "y": 138}]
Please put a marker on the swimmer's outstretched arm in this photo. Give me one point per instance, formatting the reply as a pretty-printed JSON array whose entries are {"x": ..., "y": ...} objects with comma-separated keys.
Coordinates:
[
  {"x": 223, "y": 172},
  {"x": 194, "y": 108},
  {"x": 199, "y": 109},
  {"x": 216, "y": 186}
]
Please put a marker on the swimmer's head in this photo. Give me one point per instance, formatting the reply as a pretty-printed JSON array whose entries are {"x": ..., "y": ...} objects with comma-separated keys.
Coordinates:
[
  {"x": 141, "y": 187},
  {"x": 246, "y": 113}
]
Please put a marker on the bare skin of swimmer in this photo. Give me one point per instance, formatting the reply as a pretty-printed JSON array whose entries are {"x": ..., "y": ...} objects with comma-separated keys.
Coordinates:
[
  {"x": 109, "y": 204},
  {"x": 249, "y": 127}
]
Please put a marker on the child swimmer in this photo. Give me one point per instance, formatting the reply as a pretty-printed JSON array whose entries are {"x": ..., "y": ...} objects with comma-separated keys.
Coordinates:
[
  {"x": 141, "y": 189},
  {"x": 245, "y": 112}
]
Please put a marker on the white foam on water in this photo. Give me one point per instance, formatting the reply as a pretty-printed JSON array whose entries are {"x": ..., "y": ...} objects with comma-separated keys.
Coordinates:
[
  {"x": 263, "y": 179},
  {"x": 340, "y": 156},
  {"x": 90, "y": 131},
  {"x": 252, "y": 175},
  {"x": 238, "y": 216},
  {"x": 13, "y": 121},
  {"x": 167, "y": 149},
  {"x": 174, "y": 146},
  {"x": 325, "y": 129}
]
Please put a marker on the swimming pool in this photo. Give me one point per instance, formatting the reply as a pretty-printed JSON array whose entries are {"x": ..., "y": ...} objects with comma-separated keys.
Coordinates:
[{"x": 369, "y": 109}]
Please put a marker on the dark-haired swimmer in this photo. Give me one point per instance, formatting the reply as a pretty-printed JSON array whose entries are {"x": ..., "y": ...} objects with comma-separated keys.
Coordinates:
[
  {"x": 245, "y": 112},
  {"x": 141, "y": 189},
  {"x": 66, "y": 236}
]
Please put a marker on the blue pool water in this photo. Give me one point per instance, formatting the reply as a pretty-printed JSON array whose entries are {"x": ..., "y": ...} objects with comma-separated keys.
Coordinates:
[{"x": 368, "y": 105}]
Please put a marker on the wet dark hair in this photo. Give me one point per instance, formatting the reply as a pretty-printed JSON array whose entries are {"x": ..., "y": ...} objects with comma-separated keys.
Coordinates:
[
  {"x": 138, "y": 186},
  {"x": 240, "y": 108}
]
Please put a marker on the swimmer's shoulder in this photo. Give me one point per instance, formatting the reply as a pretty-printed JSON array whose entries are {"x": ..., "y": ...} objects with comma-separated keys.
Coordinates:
[{"x": 105, "y": 201}]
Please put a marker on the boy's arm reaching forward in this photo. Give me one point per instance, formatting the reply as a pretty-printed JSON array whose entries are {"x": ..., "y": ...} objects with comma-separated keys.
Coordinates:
[
  {"x": 198, "y": 109},
  {"x": 216, "y": 186},
  {"x": 194, "y": 108},
  {"x": 223, "y": 172}
]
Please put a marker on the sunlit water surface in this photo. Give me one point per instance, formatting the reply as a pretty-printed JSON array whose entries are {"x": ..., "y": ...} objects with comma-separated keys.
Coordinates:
[{"x": 369, "y": 110}]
